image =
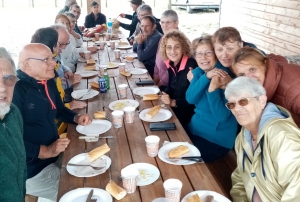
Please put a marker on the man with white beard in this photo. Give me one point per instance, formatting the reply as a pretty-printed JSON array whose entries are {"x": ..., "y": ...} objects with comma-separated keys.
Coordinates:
[{"x": 13, "y": 172}]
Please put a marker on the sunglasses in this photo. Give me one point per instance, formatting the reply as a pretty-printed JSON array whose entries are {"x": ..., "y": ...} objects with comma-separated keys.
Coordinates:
[
  {"x": 9, "y": 80},
  {"x": 242, "y": 102}
]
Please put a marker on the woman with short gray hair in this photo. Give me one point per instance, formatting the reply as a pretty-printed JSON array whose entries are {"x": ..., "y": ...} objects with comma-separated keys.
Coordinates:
[{"x": 268, "y": 146}]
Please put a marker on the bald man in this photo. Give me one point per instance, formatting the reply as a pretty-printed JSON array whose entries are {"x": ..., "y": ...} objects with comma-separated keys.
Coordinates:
[{"x": 40, "y": 104}]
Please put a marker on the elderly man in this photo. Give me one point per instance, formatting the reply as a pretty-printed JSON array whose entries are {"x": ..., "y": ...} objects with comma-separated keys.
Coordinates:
[
  {"x": 76, "y": 10},
  {"x": 40, "y": 104},
  {"x": 68, "y": 4},
  {"x": 169, "y": 21},
  {"x": 147, "y": 43},
  {"x": 13, "y": 173}
]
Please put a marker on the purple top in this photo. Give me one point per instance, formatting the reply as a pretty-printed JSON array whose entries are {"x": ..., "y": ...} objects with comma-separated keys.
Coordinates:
[{"x": 160, "y": 68}]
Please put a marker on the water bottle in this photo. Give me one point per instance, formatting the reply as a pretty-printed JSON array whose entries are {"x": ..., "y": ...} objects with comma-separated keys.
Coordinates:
[
  {"x": 106, "y": 77},
  {"x": 109, "y": 26}
]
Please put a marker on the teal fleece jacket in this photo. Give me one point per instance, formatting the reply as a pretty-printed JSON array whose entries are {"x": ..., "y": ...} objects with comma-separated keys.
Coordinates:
[{"x": 13, "y": 173}]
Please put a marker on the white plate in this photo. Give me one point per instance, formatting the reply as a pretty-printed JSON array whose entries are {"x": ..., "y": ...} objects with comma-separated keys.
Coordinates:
[
  {"x": 145, "y": 90},
  {"x": 138, "y": 71},
  {"x": 86, "y": 73},
  {"x": 84, "y": 38},
  {"x": 81, "y": 194},
  {"x": 83, "y": 60},
  {"x": 148, "y": 173},
  {"x": 123, "y": 103},
  {"x": 162, "y": 115},
  {"x": 96, "y": 128},
  {"x": 123, "y": 47},
  {"x": 78, "y": 93},
  {"x": 88, "y": 171},
  {"x": 134, "y": 55},
  {"x": 203, "y": 193},
  {"x": 164, "y": 150},
  {"x": 111, "y": 65}
]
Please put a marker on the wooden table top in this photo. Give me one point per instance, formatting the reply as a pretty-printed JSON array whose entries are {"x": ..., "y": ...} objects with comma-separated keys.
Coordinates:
[{"x": 128, "y": 145}]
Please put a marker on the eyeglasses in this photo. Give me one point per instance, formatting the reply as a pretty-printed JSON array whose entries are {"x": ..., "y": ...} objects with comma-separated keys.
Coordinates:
[
  {"x": 9, "y": 80},
  {"x": 63, "y": 44},
  {"x": 206, "y": 54},
  {"x": 242, "y": 102},
  {"x": 166, "y": 22},
  {"x": 47, "y": 60}
]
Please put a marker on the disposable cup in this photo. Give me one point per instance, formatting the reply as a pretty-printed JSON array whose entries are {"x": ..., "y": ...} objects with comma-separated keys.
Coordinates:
[
  {"x": 97, "y": 36},
  {"x": 107, "y": 37},
  {"x": 112, "y": 45},
  {"x": 152, "y": 144},
  {"x": 129, "y": 176},
  {"x": 102, "y": 45},
  {"x": 117, "y": 118},
  {"x": 122, "y": 67},
  {"x": 87, "y": 55},
  {"x": 117, "y": 53},
  {"x": 122, "y": 89},
  {"x": 101, "y": 70},
  {"x": 129, "y": 114},
  {"x": 173, "y": 189}
]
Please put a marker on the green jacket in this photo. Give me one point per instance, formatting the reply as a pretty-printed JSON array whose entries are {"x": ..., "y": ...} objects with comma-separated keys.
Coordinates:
[{"x": 13, "y": 173}]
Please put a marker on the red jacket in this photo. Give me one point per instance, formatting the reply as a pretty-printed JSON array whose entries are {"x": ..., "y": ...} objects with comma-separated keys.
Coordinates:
[{"x": 282, "y": 84}]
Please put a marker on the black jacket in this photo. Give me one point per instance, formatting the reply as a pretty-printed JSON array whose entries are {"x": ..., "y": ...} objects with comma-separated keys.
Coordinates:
[
  {"x": 177, "y": 87},
  {"x": 131, "y": 27},
  {"x": 39, "y": 118},
  {"x": 91, "y": 22}
]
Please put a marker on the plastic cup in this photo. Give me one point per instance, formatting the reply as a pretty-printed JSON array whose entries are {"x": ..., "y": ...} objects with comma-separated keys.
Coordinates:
[
  {"x": 173, "y": 189},
  {"x": 97, "y": 35},
  {"x": 117, "y": 54},
  {"x": 102, "y": 45},
  {"x": 122, "y": 89},
  {"x": 112, "y": 45},
  {"x": 101, "y": 70},
  {"x": 152, "y": 144},
  {"x": 122, "y": 67},
  {"x": 129, "y": 114},
  {"x": 87, "y": 55},
  {"x": 129, "y": 176},
  {"x": 107, "y": 37},
  {"x": 117, "y": 118}
]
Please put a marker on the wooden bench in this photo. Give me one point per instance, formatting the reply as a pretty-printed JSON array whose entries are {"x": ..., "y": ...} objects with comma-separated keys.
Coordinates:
[{"x": 222, "y": 169}]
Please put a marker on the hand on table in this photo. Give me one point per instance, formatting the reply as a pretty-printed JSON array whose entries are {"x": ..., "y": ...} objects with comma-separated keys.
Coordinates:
[
  {"x": 140, "y": 38},
  {"x": 165, "y": 98},
  {"x": 81, "y": 55},
  {"x": 216, "y": 72},
  {"x": 190, "y": 74},
  {"x": 76, "y": 78},
  {"x": 68, "y": 74},
  {"x": 83, "y": 119},
  {"x": 76, "y": 104},
  {"x": 54, "y": 149}
]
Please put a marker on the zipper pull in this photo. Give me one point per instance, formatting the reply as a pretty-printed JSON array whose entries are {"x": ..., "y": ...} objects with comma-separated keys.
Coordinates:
[{"x": 4, "y": 126}]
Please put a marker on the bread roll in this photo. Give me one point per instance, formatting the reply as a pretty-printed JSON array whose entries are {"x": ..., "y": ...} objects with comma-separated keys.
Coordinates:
[
  {"x": 116, "y": 191},
  {"x": 94, "y": 85},
  {"x": 194, "y": 198},
  {"x": 90, "y": 68},
  {"x": 150, "y": 97},
  {"x": 100, "y": 115},
  {"x": 178, "y": 151},
  {"x": 125, "y": 73},
  {"x": 129, "y": 58},
  {"x": 152, "y": 112},
  {"x": 91, "y": 62},
  {"x": 63, "y": 135},
  {"x": 98, "y": 152}
]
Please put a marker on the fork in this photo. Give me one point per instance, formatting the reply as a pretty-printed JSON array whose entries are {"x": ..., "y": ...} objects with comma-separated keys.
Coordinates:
[
  {"x": 94, "y": 199},
  {"x": 94, "y": 167},
  {"x": 87, "y": 93}
]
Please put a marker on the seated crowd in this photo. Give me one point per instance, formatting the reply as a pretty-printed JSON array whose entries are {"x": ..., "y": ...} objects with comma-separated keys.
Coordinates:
[{"x": 214, "y": 84}]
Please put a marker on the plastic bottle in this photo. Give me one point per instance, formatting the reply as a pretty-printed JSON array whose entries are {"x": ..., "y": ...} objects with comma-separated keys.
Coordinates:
[
  {"x": 109, "y": 26},
  {"x": 106, "y": 78}
]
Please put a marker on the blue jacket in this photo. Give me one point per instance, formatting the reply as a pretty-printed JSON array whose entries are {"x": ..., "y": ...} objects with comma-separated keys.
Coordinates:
[
  {"x": 39, "y": 118},
  {"x": 212, "y": 120}
]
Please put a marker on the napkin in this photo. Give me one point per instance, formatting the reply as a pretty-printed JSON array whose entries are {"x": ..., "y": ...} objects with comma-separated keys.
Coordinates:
[{"x": 87, "y": 170}]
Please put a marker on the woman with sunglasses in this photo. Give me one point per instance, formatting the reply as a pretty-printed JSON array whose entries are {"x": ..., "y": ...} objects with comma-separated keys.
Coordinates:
[
  {"x": 268, "y": 146},
  {"x": 212, "y": 128},
  {"x": 280, "y": 79}
]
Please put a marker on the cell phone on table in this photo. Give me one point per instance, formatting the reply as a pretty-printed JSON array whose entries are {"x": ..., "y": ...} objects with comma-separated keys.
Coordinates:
[
  {"x": 162, "y": 126},
  {"x": 144, "y": 82}
]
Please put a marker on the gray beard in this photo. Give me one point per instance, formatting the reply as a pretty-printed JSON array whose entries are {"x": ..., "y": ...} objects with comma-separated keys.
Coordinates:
[{"x": 4, "y": 109}]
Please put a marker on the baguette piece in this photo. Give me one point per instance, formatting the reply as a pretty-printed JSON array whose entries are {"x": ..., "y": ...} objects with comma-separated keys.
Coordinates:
[
  {"x": 63, "y": 135},
  {"x": 95, "y": 85},
  {"x": 178, "y": 151},
  {"x": 150, "y": 97},
  {"x": 90, "y": 68},
  {"x": 194, "y": 198},
  {"x": 98, "y": 152},
  {"x": 125, "y": 73},
  {"x": 91, "y": 62},
  {"x": 116, "y": 191},
  {"x": 152, "y": 112},
  {"x": 122, "y": 43},
  {"x": 100, "y": 115}
]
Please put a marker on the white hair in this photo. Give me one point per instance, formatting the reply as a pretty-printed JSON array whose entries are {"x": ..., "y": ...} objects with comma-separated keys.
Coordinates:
[
  {"x": 243, "y": 85},
  {"x": 170, "y": 14},
  {"x": 59, "y": 26},
  {"x": 4, "y": 54}
]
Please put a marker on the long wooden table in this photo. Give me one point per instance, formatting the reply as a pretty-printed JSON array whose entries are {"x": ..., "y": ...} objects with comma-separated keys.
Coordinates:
[{"x": 128, "y": 145}]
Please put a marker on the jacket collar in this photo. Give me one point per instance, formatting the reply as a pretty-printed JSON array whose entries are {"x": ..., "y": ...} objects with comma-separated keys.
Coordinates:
[
  {"x": 183, "y": 62},
  {"x": 25, "y": 77}
]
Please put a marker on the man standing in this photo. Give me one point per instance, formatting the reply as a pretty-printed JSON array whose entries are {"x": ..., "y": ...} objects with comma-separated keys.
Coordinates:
[
  {"x": 13, "y": 173},
  {"x": 40, "y": 104},
  {"x": 75, "y": 9},
  {"x": 68, "y": 4},
  {"x": 147, "y": 43}
]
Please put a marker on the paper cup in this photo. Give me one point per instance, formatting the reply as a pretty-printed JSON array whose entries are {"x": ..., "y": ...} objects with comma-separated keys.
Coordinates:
[
  {"x": 152, "y": 144},
  {"x": 129, "y": 114},
  {"x": 117, "y": 54},
  {"x": 97, "y": 36},
  {"x": 117, "y": 117},
  {"x": 129, "y": 177},
  {"x": 122, "y": 67},
  {"x": 107, "y": 37},
  {"x": 102, "y": 45},
  {"x": 173, "y": 189},
  {"x": 87, "y": 55},
  {"x": 112, "y": 45},
  {"x": 101, "y": 70},
  {"x": 122, "y": 89}
]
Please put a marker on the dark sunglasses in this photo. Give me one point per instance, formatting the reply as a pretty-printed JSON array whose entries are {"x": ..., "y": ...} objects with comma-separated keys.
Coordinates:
[
  {"x": 242, "y": 102},
  {"x": 9, "y": 80}
]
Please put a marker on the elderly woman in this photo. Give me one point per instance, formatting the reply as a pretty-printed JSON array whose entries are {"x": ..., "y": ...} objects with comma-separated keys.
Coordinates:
[
  {"x": 280, "y": 79},
  {"x": 175, "y": 51},
  {"x": 95, "y": 18},
  {"x": 268, "y": 146},
  {"x": 75, "y": 38},
  {"x": 213, "y": 128}
]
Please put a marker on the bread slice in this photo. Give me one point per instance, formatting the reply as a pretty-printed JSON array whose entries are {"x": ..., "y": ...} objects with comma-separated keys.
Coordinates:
[
  {"x": 100, "y": 115},
  {"x": 98, "y": 152},
  {"x": 152, "y": 112},
  {"x": 91, "y": 62},
  {"x": 194, "y": 198},
  {"x": 63, "y": 135},
  {"x": 178, "y": 151},
  {"x": 116, "y": 191},
  {"x": 122, "y": 43},
  {"x": 90, "y": 68},
  {"x": 95, "y": 85},
  {"x": 150, "y": 97}
]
